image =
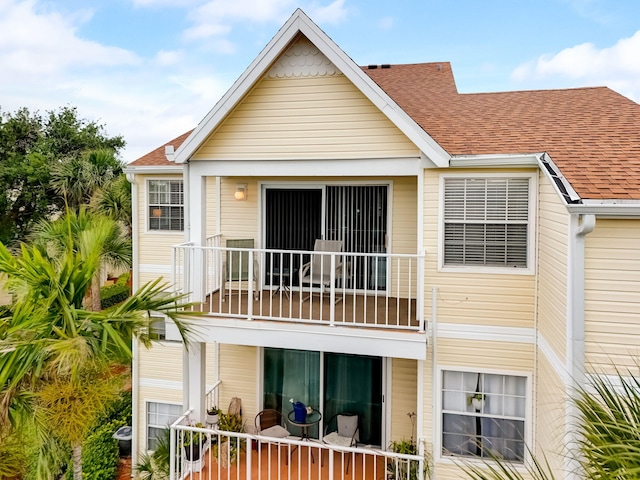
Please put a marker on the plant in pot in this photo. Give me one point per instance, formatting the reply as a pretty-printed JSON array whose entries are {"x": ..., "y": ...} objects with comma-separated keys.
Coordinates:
[
  {"x": 213, "y": 415},
  {"x": 227, "y": 449},
  {"x": 477, "y": 401},
  {"x": 192, "y": 443}
]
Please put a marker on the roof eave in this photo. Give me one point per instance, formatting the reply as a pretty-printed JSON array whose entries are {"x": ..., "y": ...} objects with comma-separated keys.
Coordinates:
[
  {"x": 299, "y": 22},
  {"x": 608, "y": 208}
]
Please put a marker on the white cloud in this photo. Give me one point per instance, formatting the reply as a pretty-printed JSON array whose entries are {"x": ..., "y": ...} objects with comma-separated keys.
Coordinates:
[
  {"x": 167, "y": 58},
  {"x": 617, "y": 67},
  {"x": 386, "y": 23},
  {"x": 34, "y": 43},
  {"x": 251, "y": 10},
  {"x": 333, "y": 13},
  {"x": 206, "y": 30}
]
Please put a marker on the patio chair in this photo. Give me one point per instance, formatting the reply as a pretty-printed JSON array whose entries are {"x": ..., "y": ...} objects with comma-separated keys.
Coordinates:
[
  {"x": 342, "y": 430},
  {"x": 235, "y": 267},
  {"x": 270, "y": 423},
  {"x": 318, "y": 270}
]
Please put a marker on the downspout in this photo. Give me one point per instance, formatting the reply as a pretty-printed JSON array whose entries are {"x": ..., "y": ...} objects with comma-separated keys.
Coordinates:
[
  {"x": 135, "y": 349},
  {"x": 580, "y": 226}
]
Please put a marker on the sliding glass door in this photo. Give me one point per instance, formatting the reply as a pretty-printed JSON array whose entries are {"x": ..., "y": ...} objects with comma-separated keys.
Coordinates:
[
  {"x": 354, "y": 214},
  {"x": 350, "y": 383}
]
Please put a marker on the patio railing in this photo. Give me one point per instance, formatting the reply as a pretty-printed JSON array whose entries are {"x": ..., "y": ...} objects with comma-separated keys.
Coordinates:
[
  {"x": 342, "y": 289},
  {"x": 216, "y": 455}
]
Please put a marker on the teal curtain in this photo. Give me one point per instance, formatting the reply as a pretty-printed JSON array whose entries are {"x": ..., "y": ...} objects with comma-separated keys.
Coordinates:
[
  {"x": 353, "y": 384},
  {"x": 291, "y": 374}
]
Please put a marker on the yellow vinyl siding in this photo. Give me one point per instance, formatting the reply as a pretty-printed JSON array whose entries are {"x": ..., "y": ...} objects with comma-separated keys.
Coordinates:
[
  {"x": 471, "y": 297},
  {"x": 480, "y": 354},
  {"x": 163, "y": 361},
  {"x": 239, "y": 218},
  {"x": 553, "y": 238},
  {"x": 550, "y": 414},
  {"x": 403, "y": 397},
  {"x": 306, "y": 117},
  {"x": 612, "y": 295},
  {"x": 239, "y": 376}
]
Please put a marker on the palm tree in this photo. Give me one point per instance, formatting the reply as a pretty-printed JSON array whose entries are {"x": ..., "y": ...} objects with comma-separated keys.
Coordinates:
[
  {"x": 114, "y": 201},
  {"x": 47, "y": 337},
  {"x": 57, "y": 236},
  {"x": 78, "y": 178}
]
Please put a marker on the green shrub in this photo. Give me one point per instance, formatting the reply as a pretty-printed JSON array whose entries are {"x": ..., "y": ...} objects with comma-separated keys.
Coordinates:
[
  {"x": 118, "y": 409},
  {"x": 100, "y": 453},
  {"x": 113, "y": 294},
  {"x": 123, "y": 279}
]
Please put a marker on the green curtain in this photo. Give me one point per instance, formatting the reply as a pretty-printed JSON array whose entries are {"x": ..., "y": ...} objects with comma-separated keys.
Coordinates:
[{"x": 291, "y": 374}]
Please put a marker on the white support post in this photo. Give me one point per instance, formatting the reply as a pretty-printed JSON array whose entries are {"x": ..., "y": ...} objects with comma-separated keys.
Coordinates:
[
  {"x": 196, "y": 380},
  {"x": 196, "y": 212}
]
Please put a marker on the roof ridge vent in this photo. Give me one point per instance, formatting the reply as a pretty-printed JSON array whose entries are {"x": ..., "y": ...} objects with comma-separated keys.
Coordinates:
[{"x": 372, "y": 67}]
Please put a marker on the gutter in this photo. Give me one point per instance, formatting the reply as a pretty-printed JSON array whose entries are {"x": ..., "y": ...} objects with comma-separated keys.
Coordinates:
[{"x": 580, "y": 225}]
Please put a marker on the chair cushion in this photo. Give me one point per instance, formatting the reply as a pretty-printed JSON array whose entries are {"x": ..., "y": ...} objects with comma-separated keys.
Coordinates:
[
  {"x": 276, "y": 431},
  {"x": 334, "y": 439},
  {"x": 347, "y": 425}
]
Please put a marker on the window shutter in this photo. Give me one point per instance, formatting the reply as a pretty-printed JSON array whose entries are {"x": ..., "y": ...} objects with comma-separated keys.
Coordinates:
[{"x": 486, "y": 221}]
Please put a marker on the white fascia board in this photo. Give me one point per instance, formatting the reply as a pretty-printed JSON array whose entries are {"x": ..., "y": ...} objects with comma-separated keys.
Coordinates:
[
  {"x": 154, "y": 170},
  {"x": 607, "y": 208},
  {"x": 526, "y": 160},
  {"x": 300, "y": 23},
  {"x": 375, "y": 342},
  {"x": 311, "y": 168}
]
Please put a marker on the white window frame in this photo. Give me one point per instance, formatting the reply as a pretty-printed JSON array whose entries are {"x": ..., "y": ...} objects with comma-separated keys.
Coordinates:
[
  {"x": 148, "y": 204},
  {"x": 148, "y": 425},
  {"x": 528, "y": 418},
  {"x": 531, "y": 227}
]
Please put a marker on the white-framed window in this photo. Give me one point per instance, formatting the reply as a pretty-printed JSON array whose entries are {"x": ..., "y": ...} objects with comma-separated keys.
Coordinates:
[
  {"x": 487, "y": 221},
  {"x": 159, "y": 417},
  {"x": 157, "y": 328},
  {"x": 165, "y": 200},
  {"x": 483, "y": 415}
]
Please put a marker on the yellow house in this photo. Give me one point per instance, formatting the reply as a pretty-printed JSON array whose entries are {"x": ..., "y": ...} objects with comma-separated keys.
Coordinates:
[{"x": 480, "y": 256}]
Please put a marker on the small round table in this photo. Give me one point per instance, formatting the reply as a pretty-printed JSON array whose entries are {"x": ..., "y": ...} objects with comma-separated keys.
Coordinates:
[{"x": 312, "y": 419}]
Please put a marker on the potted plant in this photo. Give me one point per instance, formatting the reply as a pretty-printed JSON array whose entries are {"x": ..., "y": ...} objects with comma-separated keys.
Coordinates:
[
  {"x": 477, "y": 400},
  {"x": 192, "y": 443},
  {"x": 213, "y": 415},
  {"x": 228, "y": 448}
]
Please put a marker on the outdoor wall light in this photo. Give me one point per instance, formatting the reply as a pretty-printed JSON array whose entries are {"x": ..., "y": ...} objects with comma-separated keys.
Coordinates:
[{"x": 241, "y": 191}]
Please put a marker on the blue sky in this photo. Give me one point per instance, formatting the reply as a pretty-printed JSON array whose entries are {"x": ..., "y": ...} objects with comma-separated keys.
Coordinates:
[{"x": 151, "y": 69}]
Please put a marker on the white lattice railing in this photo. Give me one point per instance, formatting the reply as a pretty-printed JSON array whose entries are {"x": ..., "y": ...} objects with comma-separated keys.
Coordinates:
[
  {"x": 217, "y": 455},
  {"x": 344, "y": 289}
]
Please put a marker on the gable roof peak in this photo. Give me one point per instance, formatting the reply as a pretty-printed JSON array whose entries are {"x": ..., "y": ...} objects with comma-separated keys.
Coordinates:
[{"x": 300, "y": 23}]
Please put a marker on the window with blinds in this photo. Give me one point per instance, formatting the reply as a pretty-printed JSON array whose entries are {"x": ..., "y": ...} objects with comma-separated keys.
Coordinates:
[
  {"x": 486, "y": 221},
  {"x": 166, "y": 204}
]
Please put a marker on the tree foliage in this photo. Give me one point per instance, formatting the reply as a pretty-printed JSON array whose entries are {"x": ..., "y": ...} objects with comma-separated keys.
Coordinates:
[
  {"x": 49, "y": 342},
  {"x": 32, "y": 148}
]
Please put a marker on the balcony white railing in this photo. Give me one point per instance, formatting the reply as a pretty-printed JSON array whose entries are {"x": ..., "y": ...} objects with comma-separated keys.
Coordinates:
[
  {"x": 341, "y": 289},
  {"x": 208, "y": 454}
]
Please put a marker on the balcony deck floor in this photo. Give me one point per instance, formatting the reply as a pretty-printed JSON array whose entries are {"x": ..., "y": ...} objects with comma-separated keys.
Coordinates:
[
  {"x": 354, "y": 309},
  {"x": 273, "y": 463}
]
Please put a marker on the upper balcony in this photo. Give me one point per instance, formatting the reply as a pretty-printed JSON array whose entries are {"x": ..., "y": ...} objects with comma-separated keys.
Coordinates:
[{"x": 378, "y": 295}]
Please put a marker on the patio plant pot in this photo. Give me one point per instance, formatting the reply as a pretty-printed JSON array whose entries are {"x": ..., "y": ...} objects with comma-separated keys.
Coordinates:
[{"x": 192, "y": 452}]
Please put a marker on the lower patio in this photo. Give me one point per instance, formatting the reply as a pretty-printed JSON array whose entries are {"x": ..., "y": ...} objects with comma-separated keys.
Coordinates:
[{"x": 229, "y": 455}]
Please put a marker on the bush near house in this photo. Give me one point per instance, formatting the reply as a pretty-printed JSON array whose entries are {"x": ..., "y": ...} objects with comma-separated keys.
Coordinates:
[{"x": 114, "y": 294}]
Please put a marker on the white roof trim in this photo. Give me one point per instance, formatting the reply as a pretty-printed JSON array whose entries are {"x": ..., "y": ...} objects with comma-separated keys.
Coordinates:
[
  {"x": 153, "y": 169},
  {"x": 608, "y": 208},
  {"x": 495, "y": 160},
  {"x": 299, "y": 22}
]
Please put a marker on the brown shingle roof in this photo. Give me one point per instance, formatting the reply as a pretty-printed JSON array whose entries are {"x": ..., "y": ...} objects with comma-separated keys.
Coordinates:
[
  {"x": 157, "y": 158},
  {"x": 592, "y": 134}
]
